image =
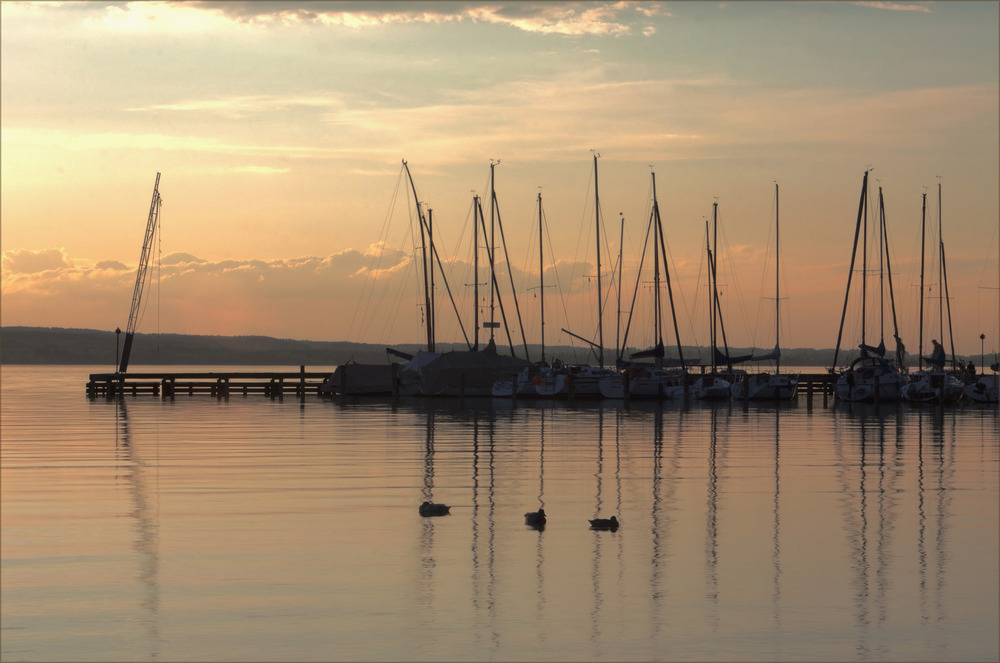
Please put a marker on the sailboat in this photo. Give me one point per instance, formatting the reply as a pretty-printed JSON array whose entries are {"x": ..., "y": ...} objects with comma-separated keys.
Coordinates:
[
  {"x": 713, "y": 386},
  {"x": 470, "y": 372},
  {"x": 871, "y": 377},
  {"x": 539, "y": 379},
  {"x": 770, "y": 386},
  {"x": 583, "y": 380},
  {"x": 933, "y": 385},
  {"x": 644, "y": 379},
  {"x": 986, "y": 388}
]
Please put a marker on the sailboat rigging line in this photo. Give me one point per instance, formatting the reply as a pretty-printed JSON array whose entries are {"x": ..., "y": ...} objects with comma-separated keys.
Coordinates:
[
  {"x": 763, "y": 281},
  {"x": 944, "y": 280},
  {"x": 635, "y": 291},
  {"x": 730, "y": 266},
  {"x": 722, "y": 324},
  {"x": 850, "y": 272},
  {"x": 427, "y": 287},
  {"x": 555, "y": 273},
  {"x": 494, "y": 289},
  {"x": 670, "y": 292},
  {"x": 618, "y": 311},
  {"x": 888, "y": 270},
  {"x": 951, "y": 335},
  {"x": 447, "y": 287},
  {"x": 436, "y": 258},
  {"x": 375, "y": 259},
  {"x": 513, "y": 290},
  {"x": 424, "y": 226}
]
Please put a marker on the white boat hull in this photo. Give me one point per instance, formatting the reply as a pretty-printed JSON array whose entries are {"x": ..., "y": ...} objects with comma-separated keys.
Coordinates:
[
  {"x": 868, "y": 381},
  {"x": 711, "y": 388},
  {"x": 765, "y": 386},
  {"x": 932, "y": 387},
  {"x": 983, "y": 390}
]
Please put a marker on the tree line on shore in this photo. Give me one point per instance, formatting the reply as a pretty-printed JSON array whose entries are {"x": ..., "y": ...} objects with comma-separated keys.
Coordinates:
[{"x": 56, "y": 345}]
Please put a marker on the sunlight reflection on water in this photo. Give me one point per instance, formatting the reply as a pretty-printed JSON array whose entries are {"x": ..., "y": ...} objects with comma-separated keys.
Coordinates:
[{"x": 254, "y": 529}]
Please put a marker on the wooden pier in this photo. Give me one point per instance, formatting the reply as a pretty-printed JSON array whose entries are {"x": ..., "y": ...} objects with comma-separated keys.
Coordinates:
[
  {"x": 221, "y": 385},
  {"x": 299, "y": 383}
]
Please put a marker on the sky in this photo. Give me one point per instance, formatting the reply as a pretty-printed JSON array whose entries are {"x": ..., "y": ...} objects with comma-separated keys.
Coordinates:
[{"x": 280, "y": 131}]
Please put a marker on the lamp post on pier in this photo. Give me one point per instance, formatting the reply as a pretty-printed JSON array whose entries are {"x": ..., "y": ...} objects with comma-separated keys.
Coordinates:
[
  {"x": 982, "y": 353},
  {"x": 118, "y": 334}
]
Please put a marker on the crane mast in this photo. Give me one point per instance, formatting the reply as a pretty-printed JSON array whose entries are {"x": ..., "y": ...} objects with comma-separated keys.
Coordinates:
[{"x": 140, "y": 277}]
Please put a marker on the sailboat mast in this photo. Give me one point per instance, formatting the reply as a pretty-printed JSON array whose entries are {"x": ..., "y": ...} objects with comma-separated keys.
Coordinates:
[
  {"x": 711, "y": 299},
  {"x": 619, "y": 352},
  {"x": 431, "y": 319},
  {"x": 715, "y": 276},
  {"x": 888, "y": 272},
  {"x": 658, "y": 325},
  {"x": 940, "y": 271},
  {"x": 881, "y": 266},
  {"x": 140, "y": 277},
  {"x": 427, "y": 290},
  {"x": 864, "y": 276},
  {"x": 427, "y": 253},
  {"x": 670, "y": 291},
  {"x": 923, "y": 227},
  {"x": 493, "y": 275},
  {"x": 944, "y": 272},
  {"x": 435, "y": 258},
  {"x": 850, "y": 272},
  {"x": 475, "y": 268},
  {"x": 600, "y": 305},
  {"x": 541, "y": 272},
  {"x": 777, "y": 280}
]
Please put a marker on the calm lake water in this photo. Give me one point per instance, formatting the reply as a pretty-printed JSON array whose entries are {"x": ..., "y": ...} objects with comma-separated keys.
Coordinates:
[{"x": 257, "y": 529}]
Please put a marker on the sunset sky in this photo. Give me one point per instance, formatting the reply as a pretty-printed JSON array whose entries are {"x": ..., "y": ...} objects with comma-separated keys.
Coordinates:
[{"x": 280, "y": 129}]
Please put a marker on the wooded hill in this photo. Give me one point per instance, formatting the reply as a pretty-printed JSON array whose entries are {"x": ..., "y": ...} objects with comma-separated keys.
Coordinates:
[{"x": 55, "y": 345}]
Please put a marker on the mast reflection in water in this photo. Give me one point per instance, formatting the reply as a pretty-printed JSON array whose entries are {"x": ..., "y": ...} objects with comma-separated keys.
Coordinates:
[{"x": 247, "y": 528}]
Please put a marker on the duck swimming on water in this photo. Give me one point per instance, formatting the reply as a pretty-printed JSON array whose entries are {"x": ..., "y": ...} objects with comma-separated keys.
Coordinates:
[
  {"x": 432, "y": 509},
  {"x": 535, "y": 519},
  {"x": 605, "y": 523}
]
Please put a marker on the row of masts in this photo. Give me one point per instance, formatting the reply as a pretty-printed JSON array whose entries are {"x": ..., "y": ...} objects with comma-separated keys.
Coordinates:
[
  {"x": 885, "y": 274},
  {"x": 654, "y": 235}
]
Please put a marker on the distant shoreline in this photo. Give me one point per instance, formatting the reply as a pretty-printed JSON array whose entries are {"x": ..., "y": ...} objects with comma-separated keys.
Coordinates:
[{"x": 57, "y": 345}]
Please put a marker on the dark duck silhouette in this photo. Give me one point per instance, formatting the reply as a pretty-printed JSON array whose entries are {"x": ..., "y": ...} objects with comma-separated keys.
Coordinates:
[
  {"x": 605, "y": 523},
  {"x": 535, "y": 519},
  {"x": 432, "y": 509}
]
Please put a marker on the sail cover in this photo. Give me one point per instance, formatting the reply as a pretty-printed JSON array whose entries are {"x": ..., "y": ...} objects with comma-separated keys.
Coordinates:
[
  {"x": 773, "y": 354},
  {"x": 722, "y": 358},
  {"x": 655, "y": 351}
]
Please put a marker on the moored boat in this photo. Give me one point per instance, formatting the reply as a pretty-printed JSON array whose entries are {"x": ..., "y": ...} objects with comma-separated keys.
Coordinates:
[
  {"x": 768, "y": 386},
  {"x": 871, "y": 377}
]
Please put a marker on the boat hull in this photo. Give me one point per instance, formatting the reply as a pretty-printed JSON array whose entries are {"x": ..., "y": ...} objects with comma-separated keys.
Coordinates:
[
  {"x": 867, "y": 381},
  {"x": 712, "y": 388},
  {"x": 983, "y": 390},
  {"x": 932, "y": 387},
  {"x": 766, "y": 387}
]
